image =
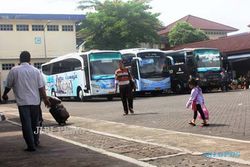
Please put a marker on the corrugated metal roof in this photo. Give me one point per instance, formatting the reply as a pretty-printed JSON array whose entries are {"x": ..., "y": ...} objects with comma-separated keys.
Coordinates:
[
  {"x": 27, "y": 16},
  {"x": 199, "y": 23}
]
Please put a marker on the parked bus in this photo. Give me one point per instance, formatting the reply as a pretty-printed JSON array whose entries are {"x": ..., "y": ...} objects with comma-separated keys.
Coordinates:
[
  {"x": 204, "y": 64},
  {"x": 82, "y": 75},
  {"x": 149, "y": 68}
]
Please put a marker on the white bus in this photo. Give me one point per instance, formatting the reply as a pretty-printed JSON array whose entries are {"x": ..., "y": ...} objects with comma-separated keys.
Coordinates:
[
  {"x": 149, "y": 67},
  {"x": 82, "y": 75}
]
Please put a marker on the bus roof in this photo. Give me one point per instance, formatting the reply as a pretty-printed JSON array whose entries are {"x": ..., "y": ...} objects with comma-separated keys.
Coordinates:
[
  {"x": 139, "y": 50},
  {"x": 78, "y": 54},
  {"x": 169, "y": 52}
]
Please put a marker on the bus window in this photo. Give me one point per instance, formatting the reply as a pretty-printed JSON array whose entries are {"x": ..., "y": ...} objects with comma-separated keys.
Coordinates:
[
  {"x": 46, "y": 69},
  {"x": 127, "y": 59},
  {"x": 70, "y": 65},
  {"x": 179, "y": 58},
  {"x": 56, "y": 68}
]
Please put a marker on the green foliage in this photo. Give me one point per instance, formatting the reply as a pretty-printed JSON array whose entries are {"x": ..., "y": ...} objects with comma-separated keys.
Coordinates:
[
  {"x": 183, "y": 33},
  {"x": 115, "y": 24}
]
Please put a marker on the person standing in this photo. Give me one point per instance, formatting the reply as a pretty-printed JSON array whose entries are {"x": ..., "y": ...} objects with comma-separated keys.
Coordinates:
[
  {"x": 28, "y": 86},
  {"x": 126, "y": 86}
]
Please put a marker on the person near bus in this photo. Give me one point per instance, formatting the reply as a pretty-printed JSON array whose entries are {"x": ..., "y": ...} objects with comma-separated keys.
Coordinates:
[
  {"x": 196, "y": 100},
  {"x": 28, "y": 86},
  {"x": 124, "y": 79}
]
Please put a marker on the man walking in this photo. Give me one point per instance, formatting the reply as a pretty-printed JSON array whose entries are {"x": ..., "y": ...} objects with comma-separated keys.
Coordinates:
[
  {"x": 124, "y": 80},
  {"x": 28, "y": 86}
]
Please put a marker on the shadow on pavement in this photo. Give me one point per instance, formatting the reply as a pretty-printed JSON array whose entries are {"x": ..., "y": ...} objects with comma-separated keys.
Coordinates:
[
  {"x": 217, "y": 125},
  {"x": 149, "y": 113}
]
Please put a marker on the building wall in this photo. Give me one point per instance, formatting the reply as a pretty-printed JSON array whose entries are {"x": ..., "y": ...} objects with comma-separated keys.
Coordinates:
[
  {"x": 57, "y": 42},
  {"x": 13, "y": 42}
]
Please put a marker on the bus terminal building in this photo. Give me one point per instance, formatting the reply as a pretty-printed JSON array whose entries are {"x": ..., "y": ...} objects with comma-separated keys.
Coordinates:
[{"x": 45, "y": 36}]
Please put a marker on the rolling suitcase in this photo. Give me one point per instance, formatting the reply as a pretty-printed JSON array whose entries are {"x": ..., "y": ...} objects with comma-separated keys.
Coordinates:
[{"x": 58, "y": 111}]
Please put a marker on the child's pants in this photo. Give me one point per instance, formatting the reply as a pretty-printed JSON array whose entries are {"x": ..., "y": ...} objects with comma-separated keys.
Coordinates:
[{"x": 199, "y": 109}]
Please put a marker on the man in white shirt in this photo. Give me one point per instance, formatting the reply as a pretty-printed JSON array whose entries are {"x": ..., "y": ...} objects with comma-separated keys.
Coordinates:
[{"x": 28, "y": 86}]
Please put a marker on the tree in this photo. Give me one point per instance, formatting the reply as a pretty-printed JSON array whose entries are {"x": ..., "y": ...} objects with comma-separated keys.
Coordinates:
[
  {"x": 115, "y": 24},
  {"x": 183, "y": 33}
]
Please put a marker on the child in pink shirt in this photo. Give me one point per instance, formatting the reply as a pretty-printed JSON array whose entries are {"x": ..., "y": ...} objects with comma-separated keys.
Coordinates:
[{"x": 196, "y": 100}]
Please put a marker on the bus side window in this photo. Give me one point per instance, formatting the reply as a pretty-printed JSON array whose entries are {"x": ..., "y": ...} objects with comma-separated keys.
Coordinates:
[
  {"x": 46, "y": 69},
  {"x": 65, "y": 66},
  {"x": 127, "y": 58},
  {"x": 77, "y": 65},
  {"x": 56, "y": 68}
]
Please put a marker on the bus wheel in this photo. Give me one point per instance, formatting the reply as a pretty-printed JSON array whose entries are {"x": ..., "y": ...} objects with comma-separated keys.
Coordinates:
[
  {"x": 110, "y": 98},
  {"x": 80, "y": 96}
]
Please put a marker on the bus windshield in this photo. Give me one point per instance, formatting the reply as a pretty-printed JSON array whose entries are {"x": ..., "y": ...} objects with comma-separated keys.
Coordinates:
[
  {"x": 103, "y": 65},
  {"x": 152, "y": 64},
  {"x": 207, "y": 58}
]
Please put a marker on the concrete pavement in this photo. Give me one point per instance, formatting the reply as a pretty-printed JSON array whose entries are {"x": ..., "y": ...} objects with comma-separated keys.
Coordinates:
[
  {"x": 157, "y": 135},
  {"x": 164, "y": 147},
  {"x": 51, "y": 152}
]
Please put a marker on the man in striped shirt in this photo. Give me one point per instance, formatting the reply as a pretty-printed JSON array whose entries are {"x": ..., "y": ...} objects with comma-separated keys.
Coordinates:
[{"x": 123, "y": 79}]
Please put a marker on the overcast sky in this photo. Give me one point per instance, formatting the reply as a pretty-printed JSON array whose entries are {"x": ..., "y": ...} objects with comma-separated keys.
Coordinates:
[{"x": 234, "y": 13}]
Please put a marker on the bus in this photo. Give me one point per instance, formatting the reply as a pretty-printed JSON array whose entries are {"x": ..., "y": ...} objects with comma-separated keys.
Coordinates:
[
  {"x": 82, "y": 75},
  {"x": 149, "y": 69},
  {"x": 203, "y": 64}
]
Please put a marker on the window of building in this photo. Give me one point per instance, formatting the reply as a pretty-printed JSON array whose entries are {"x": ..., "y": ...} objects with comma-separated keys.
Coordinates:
[
  {"x": 37, "y": 28},
  {"x": 6, "y": 27},
  {"x": 7, "y": 66},
  {"x": 67, "y": 28},
  {"x": 22, "y": 27},
  {"x": 38, "y": 65},
  {"x": 52, "y": 28}
]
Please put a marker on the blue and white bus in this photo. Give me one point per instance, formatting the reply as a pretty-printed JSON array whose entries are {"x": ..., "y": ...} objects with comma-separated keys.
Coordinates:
[
  {"x": 149, "y": 68},
  {"x": 82, "y": 75}
]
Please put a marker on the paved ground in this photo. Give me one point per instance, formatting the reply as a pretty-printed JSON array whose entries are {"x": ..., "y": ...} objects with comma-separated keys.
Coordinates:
[
  {"x": 51, "y": 153},
  {"x": 153, "y": 132},
  {"x": 229, "y": 113}
]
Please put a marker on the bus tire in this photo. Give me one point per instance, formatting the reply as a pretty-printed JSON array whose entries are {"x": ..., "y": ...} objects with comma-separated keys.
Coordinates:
[{"x": 80, "y": 96}]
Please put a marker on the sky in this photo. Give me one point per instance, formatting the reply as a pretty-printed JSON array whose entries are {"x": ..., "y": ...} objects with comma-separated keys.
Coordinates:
[{"x": 234, "y": 13}]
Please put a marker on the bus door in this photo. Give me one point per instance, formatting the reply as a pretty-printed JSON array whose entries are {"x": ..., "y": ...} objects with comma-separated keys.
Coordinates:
[
  {"x": 191, "y": 64},
  {"x": 179, "y": 72},
  {"x": 86, "y": 72}
]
